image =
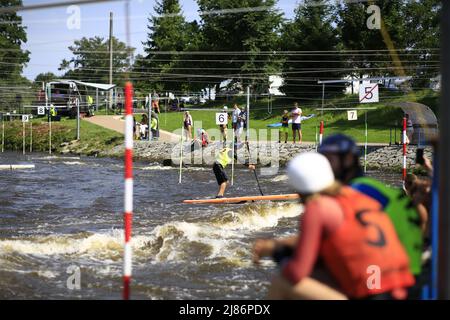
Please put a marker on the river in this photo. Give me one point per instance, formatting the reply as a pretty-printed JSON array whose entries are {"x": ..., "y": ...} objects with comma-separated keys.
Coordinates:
[{"x": 67, "y": 213}]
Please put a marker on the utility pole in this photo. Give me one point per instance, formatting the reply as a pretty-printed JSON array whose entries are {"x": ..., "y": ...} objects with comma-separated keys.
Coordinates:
[{"x": 110, "y": 57}]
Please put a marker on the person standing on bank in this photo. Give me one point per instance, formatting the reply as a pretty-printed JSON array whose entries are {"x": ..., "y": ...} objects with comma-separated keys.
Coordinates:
[
  {"x": 187, "y": 123},
  {"x": 235, "y": 116},
  {"x": 296, "y": 115},
  {"x": 284, "y": 127},
  {"x": 240, "y": 126}
]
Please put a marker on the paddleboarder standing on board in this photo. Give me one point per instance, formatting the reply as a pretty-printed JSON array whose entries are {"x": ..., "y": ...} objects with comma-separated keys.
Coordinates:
[{"x": 222, "y": 160}]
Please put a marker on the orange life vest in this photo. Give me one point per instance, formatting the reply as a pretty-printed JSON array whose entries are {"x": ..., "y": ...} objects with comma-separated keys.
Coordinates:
[{"x": 365, "y": 246}]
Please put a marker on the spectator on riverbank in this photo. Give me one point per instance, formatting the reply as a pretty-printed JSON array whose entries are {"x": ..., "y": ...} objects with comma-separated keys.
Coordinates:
[
  {"x": 296, "y": 115},
  {"x": 187, "y": 124},
  {"x": 155, "y": 102},
  {"x": 235, "y": 116},
  {"x": 144, "y": 127},
  {"x": 284, "y": 130},
  {"x": 202, "y": 138},
  {"x": 240, "y": 125}
]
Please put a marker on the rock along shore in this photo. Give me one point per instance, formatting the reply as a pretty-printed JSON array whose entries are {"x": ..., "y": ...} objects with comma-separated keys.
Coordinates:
[{"x": 389, "y": 158}]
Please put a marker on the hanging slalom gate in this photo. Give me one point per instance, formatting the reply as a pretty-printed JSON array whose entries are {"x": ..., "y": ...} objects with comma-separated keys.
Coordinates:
[
  {"x": 365, "y": 127},
  {"x": 233, "y": 137},
  {"x": 128, "y": 206}
]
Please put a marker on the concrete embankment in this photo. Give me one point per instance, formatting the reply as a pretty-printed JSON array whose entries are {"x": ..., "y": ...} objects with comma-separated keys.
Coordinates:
[{"x": 378, "y": 157}]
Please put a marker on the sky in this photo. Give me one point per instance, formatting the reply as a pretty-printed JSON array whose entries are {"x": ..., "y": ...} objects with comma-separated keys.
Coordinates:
[{"x": 50, "y": 31}]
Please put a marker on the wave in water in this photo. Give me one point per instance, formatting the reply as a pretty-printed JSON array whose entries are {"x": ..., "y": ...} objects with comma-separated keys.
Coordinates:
[
  {"x": 222, "y": 238},
  {"x": 74, "y": 163},
  {"x": 56, "y": 158},
  {"x": 280, "y": 178}
]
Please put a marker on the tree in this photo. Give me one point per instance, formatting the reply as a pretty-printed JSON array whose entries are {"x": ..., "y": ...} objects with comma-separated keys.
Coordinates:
[
  {"x": 169, "y": 35},
  {"x": 90, "y": 61},
  {"x": 248, "y": 37},
  {"x": 12, "y": 56},
  {"x": 45, "y": 77},
  {"x": 368, "y": 49},
  {"x": 424, "y": 18},
  {"x": 312, "y": 41}
]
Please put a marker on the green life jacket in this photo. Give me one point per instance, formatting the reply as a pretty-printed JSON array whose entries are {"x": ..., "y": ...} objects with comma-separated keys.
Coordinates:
[
  {"x": 223, "y": 158},
  {"x": 403, "y": 213}
]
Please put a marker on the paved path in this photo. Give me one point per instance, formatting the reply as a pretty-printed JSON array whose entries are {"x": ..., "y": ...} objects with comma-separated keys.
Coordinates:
[{"x": 116, "y": 123}]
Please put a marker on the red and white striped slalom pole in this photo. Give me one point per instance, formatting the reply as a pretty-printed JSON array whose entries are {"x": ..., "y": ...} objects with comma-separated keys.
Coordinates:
[
  {"x": 321, "y": 133},
  {"x": 404, "y": 151},
  {"x": 128, "y": 215}
]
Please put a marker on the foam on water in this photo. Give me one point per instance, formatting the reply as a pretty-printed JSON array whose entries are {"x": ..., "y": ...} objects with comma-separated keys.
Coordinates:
[
  {"x": 157, "y": 167},
  {"x": 280, "y": 178},
  {"x": 56, "y": 158},
  {"x": 221, "y": 237},
  {"x": 74, "y": 163}
]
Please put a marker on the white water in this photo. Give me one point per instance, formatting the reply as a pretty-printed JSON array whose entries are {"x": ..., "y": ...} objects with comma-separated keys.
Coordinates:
[{"x": 221, "y": 237}]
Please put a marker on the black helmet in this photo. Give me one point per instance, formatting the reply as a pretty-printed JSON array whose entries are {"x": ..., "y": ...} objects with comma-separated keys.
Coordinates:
[{"x": 338, "y": 143}]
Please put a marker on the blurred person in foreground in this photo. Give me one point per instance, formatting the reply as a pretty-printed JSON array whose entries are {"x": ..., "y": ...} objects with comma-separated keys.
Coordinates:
[
  {"x": 407, "y": 217},
  {"x": 354, "y": 239}
]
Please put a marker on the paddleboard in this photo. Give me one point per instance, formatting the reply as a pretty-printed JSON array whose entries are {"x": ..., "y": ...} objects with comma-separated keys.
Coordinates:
[{"x": 279, "y": 197}]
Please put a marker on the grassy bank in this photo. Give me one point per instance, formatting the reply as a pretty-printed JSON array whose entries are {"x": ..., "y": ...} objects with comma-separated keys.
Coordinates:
[
  {"x": 380, "y": 121},
  {"x": 94, "y": 138}
]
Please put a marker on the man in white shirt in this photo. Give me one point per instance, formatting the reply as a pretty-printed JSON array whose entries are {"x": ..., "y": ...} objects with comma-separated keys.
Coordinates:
[
  {"x": 235, "y": 116},
  {"x": 235, "y": 119},
  {"x": 296, "y": 115}
]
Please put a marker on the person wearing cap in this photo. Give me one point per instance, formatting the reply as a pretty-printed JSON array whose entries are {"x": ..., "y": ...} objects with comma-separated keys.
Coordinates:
[
  {"x": 202, "y": 138},
  {"x": 408, "y": 219},
  {"x": 349, "y": 232}
]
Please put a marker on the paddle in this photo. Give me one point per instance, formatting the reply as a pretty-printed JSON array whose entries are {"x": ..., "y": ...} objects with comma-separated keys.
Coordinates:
[{"x": 254, "y": 171}]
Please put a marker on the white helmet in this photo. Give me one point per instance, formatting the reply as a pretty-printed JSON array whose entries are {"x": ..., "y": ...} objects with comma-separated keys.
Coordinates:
[
  {"x": 310, "y": 173},
  {"x": 225, "y": 108}
]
